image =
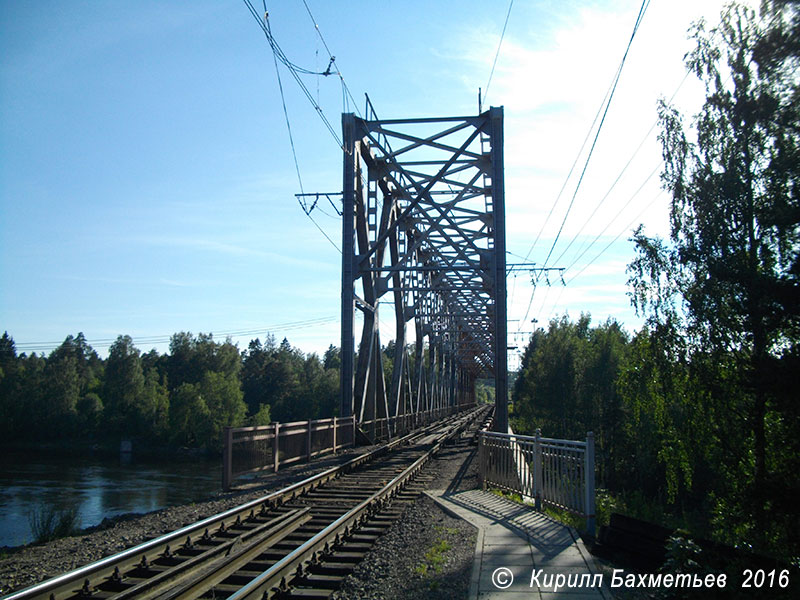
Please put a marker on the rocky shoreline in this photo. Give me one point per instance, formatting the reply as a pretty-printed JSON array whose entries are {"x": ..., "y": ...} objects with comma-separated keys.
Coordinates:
[{"x": 23, "y": 566}]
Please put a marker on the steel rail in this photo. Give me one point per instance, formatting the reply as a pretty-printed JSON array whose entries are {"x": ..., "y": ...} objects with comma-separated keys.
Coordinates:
[
  {"x": 79, "y": 581},
  {"x": 218, "y": 562},
  {"x": 275, "y": 579}
]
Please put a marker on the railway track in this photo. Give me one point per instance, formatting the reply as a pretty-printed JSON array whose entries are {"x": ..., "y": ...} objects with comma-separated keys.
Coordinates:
[{"x": 298, "y": 542}]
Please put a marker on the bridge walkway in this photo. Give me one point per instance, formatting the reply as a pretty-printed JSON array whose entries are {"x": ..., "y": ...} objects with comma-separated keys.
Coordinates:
[{"x": 515, "y": 542}]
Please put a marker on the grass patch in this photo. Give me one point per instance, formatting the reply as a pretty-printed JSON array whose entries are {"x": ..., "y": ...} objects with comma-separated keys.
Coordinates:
[
  {"x": 49, "y": 523},
  {"x": 434, "y": 558},
  {"x": 446, "y": 530},
  {"x": 513, "y": 496},
  {"x": 562, "y": 516}
]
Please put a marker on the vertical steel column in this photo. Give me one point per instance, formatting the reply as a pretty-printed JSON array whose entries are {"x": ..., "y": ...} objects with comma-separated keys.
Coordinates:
[
  {"x": 499, "y": 264},
  {"x": 348, "y": 266}
]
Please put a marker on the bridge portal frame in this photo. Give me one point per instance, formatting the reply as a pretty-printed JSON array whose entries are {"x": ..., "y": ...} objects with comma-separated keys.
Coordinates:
[{"x": 423, "y": 220}]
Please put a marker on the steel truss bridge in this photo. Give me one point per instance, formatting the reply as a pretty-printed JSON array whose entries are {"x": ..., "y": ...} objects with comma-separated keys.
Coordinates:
[{"x": 423, "y": 232}]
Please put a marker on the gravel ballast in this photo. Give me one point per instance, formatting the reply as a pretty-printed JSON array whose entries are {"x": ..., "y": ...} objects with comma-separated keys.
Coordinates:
[
  {"x": 24, "y": 566},
  {"x": 425, "y": 554}
]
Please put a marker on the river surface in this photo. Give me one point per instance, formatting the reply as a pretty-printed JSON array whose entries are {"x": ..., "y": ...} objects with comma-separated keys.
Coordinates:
[{"x": 96, "y": 488}]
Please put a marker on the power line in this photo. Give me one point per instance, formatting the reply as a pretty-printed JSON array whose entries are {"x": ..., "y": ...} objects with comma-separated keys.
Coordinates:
[
  {"x": 345, "y": 90},
  {"x": 574, "y": 164},
  {"x": 585, "y": 248},
  {"x": 295, "y": 70},
  {"x": 582, "y": 250},
  {"x": 552, "y": 306},
  {"x": 162, "y": 339},
  {"x": 632, "y": 221},
  {"x": 497, "y": 54},
  {"x": 645, "y": 4},
  {"x": 619, "y": 212},
  {"x": 607, "y": 194},
  {"x": 288, "y": 125}
]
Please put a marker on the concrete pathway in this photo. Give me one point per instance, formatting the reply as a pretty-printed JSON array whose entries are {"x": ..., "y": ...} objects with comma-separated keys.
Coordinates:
[{"x": 522, "y": 553}]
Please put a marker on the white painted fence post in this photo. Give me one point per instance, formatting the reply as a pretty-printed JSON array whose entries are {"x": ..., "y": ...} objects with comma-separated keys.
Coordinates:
[{"x": 482, "y": 458}]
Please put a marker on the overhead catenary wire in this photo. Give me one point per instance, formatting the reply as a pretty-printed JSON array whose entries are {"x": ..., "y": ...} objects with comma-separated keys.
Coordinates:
[
  {"x": 585, "y": 248},
  {"x": 552, "y": 306},
  {"x": 497, "y": 54},
  {"x": 295, "y": 70},
  {"x": 345, "y": 90},
  {"x": 626, "y": 228},
  {"x": 288, "y": 127},
  {"x": 614, "y": 219},
  {"x": 582, "y": 250},
  {"x": 642, "y": 10},
  {"x": 599, "y": 235},
  {"x": 604, "y": 107},
  {"x": 569, "y": 174}
]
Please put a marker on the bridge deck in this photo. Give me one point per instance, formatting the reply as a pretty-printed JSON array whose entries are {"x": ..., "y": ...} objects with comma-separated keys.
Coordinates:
[{"x": 515, "y": 537}]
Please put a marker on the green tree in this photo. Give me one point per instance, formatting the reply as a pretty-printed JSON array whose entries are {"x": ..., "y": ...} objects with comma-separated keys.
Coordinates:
[
  {"x": 61, "y": 394},
  {"x": 254, "y": 365},
  {"x": 10, "y": 388},
  {"x": 222, "y": 395},
  {"x": 124, "y": 390},
  {"x": 189, "y": 416},
  {"x": 567, "y": 386},
  {"x": 261, "y": 416},
  {"x": 332, "y": 359},
  {"x": 727, "y": 283},
  {"x": 155, "y": 404},
  {"x": 73, "y": 382}
]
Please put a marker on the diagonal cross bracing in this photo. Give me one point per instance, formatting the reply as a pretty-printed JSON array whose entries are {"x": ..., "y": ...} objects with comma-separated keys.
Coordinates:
[{"x": 423, "y": 233}]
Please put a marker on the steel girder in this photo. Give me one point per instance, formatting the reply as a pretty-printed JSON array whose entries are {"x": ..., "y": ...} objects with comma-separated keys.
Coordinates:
[{"x": 423, "y": 230}]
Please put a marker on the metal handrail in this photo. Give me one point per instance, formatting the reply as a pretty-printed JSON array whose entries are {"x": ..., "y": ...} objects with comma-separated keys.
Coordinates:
[{"x": 551, "y": 471}]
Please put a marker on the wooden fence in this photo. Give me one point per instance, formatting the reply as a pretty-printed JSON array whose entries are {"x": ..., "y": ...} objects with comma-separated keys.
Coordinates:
[
  {"x": 266, "y": 448},
  {"x": 249, "y": 450}
]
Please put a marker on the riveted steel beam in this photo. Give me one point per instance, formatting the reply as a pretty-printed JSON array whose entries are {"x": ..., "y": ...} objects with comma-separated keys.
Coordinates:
[{"x": 423, "y": 220}]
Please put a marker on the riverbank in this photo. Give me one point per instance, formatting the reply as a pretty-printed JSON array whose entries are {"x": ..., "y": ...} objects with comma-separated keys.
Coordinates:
[
  {"x": 22, "y": 566},
  {"x": 140, "y": 450},
  {"x": 396, "y": 565},
  {"x": 37, "y": 490}
]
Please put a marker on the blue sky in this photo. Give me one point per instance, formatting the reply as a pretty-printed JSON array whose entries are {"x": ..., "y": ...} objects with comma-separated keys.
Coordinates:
[{"x": 147, "y": 183}]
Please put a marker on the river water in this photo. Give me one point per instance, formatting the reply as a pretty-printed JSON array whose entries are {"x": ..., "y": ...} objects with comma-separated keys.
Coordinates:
[{"x": 96, "y": 487}]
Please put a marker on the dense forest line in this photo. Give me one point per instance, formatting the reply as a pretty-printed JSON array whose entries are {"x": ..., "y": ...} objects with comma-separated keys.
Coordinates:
[
  {"x": 182, "y": 398},
  {"x": 697, "y": 413},
  {"x": 673, "y": 430}
]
